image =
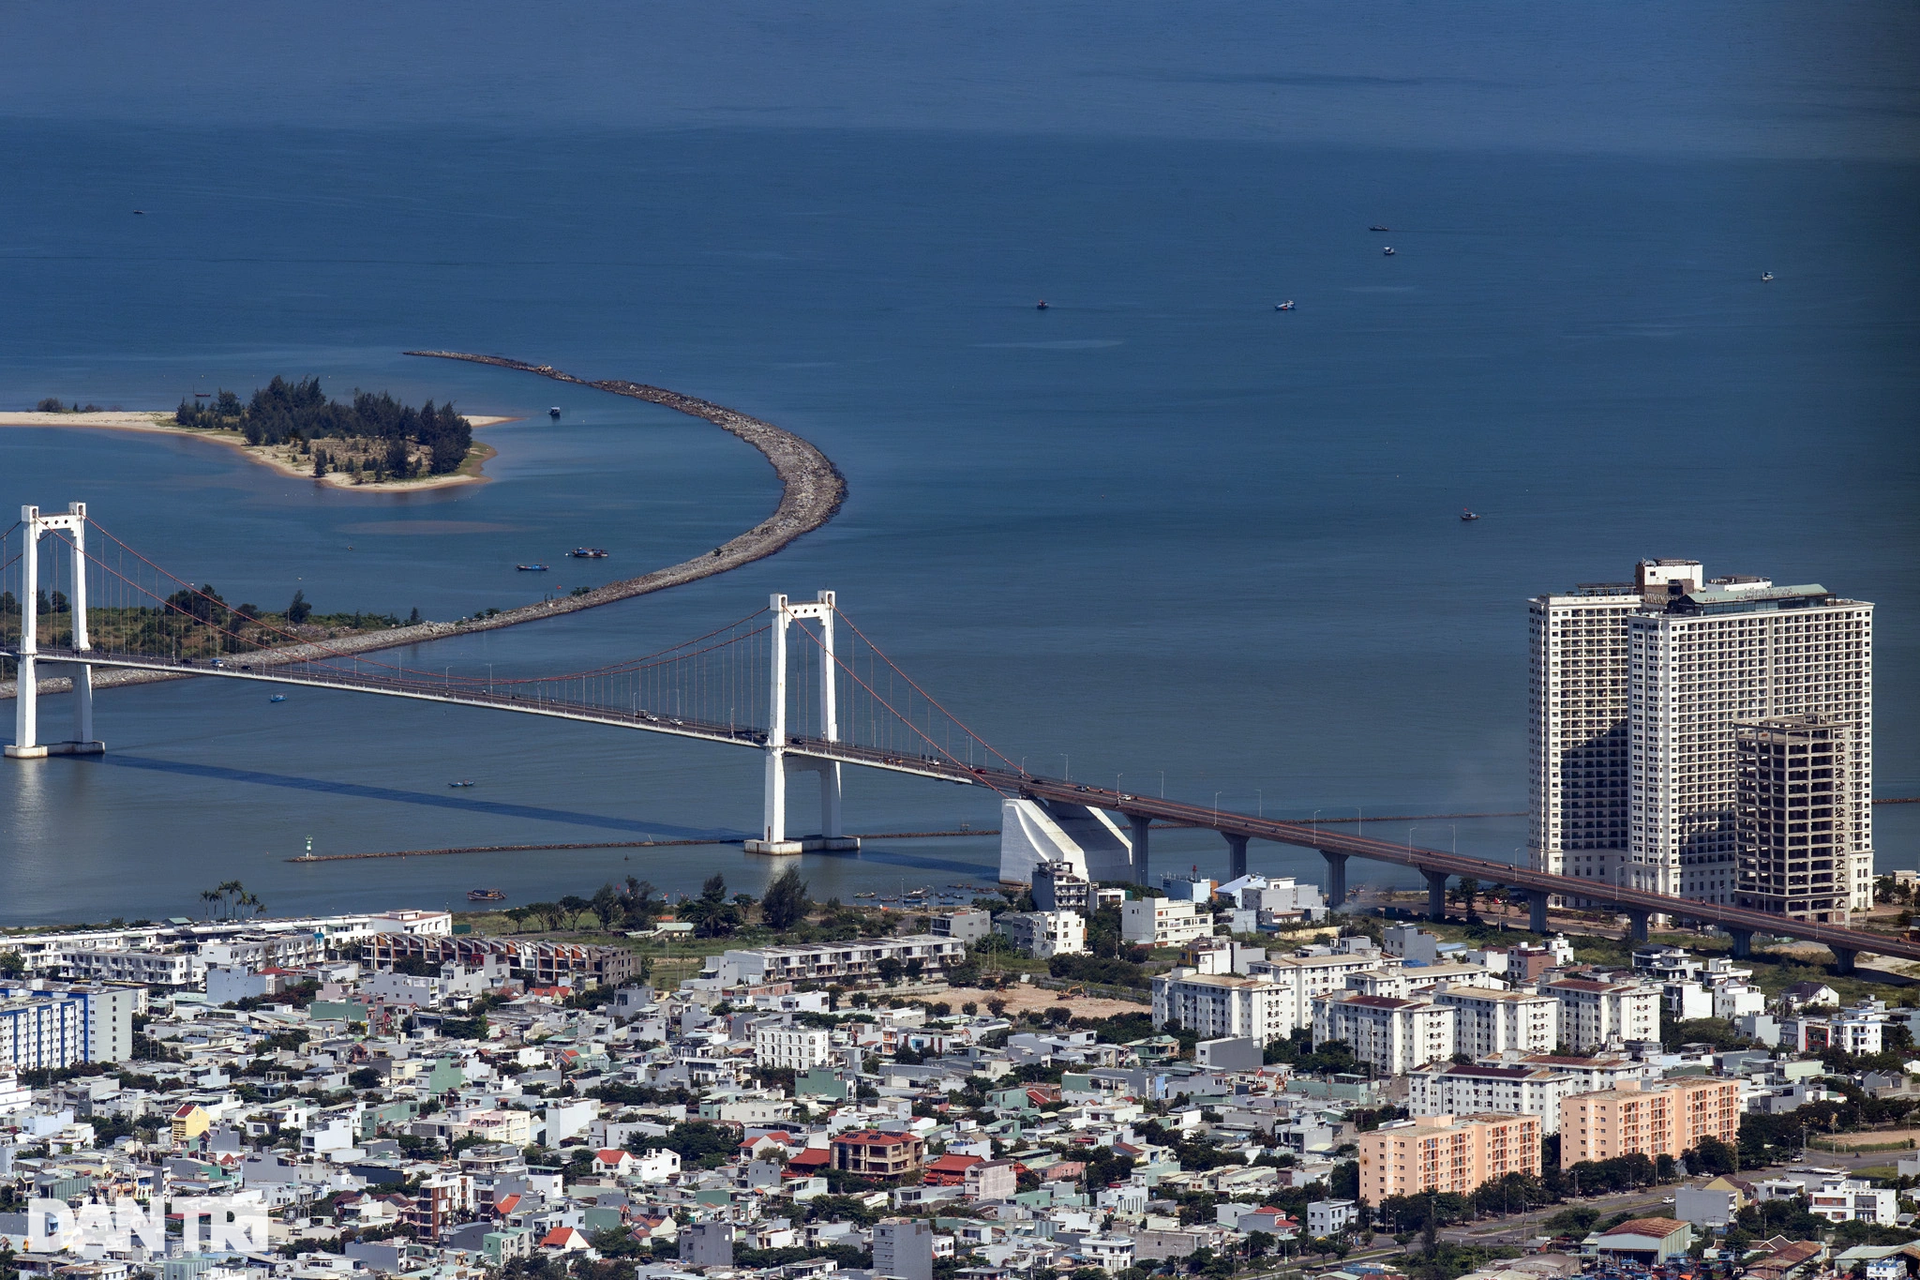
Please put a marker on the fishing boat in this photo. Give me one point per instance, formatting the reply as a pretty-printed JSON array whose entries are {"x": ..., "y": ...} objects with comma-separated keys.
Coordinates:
[
  {"x": 588, "y": 553},
  {"x": 1040, "y": 305},
  {"x": 554, "y": 412},
  {"x": 485, "y": 895},
  {"x": 1469, "y": 515},
  {"x": 868, "y": 894},
  {"x": 531, "y": 568},
  {"x": 1284, "y": 306},
  {"x": 464, "y": 782},
  {"x": 1377, "y": 227},
  {"x": 278, "y": 697},
  {"x": 1765, "y": 276},
  {"x": 1388, "y": 251}
]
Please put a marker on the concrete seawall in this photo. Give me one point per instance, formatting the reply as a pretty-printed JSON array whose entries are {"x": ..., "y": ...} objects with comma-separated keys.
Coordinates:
[{"x": 812, "y": 490}]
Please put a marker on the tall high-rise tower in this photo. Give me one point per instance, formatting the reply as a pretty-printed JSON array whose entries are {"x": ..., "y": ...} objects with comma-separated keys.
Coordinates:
[{"x": 1636, "y": 689}]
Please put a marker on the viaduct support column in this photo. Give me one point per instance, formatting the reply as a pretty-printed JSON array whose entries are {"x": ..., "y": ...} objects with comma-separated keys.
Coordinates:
[
  {"x": 1336, "y": 879},
  {"x": 1436, "y": 894},
  {"x": 1236, "y": 856},
  {"x": 1139, "y": 822},
  {"x": 1843, "y": 959},
  {"x": 1742, "y": 943},
  {"x": 1639, "y": 924},
  {"x": 1537, "y": 911}
]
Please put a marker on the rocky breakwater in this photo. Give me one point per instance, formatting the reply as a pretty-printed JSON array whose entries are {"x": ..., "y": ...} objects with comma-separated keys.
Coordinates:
[{"x": 812, "y": 490}]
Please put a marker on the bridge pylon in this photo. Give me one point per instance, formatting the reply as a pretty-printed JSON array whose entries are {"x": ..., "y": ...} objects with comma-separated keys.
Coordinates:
[
  {"x": 780, "y": 759},
  {"x": 26, "y": 744}
]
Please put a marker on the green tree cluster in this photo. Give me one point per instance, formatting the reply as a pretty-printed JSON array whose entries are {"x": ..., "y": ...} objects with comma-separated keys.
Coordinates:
[{"x": 285, "y": 411}]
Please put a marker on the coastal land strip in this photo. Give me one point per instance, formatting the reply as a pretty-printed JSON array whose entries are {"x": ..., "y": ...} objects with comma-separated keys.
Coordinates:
[
  {"x": 811, "y": 493},
  {"x": 156, "y": 422}
]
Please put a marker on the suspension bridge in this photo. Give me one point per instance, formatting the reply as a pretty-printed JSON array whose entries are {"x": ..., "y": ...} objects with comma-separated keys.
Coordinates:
[{"x": 798, "y": 681}]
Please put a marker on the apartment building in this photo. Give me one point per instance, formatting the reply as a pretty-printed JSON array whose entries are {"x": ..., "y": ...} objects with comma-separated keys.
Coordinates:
[
  {"x": 148, "y": 968},
  {"x": 543, "y": 964},
  {"x": 1577, "y": 704},
  {"x": 827, "y": 961},
  {"x": 1489, "y": 1021},
  {"x": 1394, "y": 1036},
  {"x": 1590, "y": 1074},
  {"x": 38, "y": 1034},
  {"x": 1648, "y": 1118},
  {"x": 1736, "y": 652},
  {"x": 1472, "y": 1088},
  {"x": 1058, "y": 887},
  {"x": 1162, "y": 922},
  {"x": 1793, "y": 823},
  {"x": 1635, "y": 691},
  {"x": 792, "y": 1048},
  {"x": 1446, "y": 1153},
  {"x": 1598, "y": 1015},
  {"x": 1044, "y": 934},
  {"x": 1305, "y": 979},
  {"x": 1223, "y": 1004}
]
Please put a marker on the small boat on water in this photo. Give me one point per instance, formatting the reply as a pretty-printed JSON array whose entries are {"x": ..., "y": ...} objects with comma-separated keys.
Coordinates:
[
  {"x": 588, "y": 553},
  {"x": 1377, "y": 227},
  {"x": 1765, "y": 276},
  {"x": 1469, "y": 515},
  {"x": 1284, "y": 306},
  {"x": 554, "y": 412},
  {"x": 866, "y": 895},
  {"x": 1040, "y": 305},
  {"x": 1388, "y": 251},
  {"x": 278, "y": 697},
  {"x": 464, "y": 782},
  {"x": 531, "y": 568},
  {"x": 485, "y": 895}
]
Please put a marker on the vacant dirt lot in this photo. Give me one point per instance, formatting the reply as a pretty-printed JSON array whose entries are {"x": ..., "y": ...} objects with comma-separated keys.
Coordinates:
[
  {"x": 1026, "y": 999},
  {"x": 1874, "y": 1138}
]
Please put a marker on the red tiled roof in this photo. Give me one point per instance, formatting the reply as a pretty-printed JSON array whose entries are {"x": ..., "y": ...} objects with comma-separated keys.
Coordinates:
[
  {"x": 611, "y": 1157},
  {"x": 954, "y": 1164}
]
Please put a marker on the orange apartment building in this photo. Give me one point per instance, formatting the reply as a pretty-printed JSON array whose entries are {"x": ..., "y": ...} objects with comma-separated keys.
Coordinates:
[
  {"x": 1446, "y": 1153},
  {"x": 1650, "y": 1118}
]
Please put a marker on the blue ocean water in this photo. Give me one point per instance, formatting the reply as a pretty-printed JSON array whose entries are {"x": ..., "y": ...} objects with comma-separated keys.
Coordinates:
[{"x": 1158, "y": 532}]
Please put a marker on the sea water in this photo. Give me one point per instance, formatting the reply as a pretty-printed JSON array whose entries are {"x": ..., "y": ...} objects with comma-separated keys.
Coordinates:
[{"x": 1157, "y": 536}]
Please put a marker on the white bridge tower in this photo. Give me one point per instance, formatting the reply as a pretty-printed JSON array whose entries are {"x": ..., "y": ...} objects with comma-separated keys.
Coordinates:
[
  {"x": 780, "y": 758},
  {"x": 26, "y": 743}
]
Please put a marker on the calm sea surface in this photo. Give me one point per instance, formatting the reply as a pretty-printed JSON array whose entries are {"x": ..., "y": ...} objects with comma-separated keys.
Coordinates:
[{"x": 1158, "y": 529}]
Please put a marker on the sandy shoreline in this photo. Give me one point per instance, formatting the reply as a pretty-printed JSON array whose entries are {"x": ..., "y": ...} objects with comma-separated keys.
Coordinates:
[{"x": 158, "y": 422}]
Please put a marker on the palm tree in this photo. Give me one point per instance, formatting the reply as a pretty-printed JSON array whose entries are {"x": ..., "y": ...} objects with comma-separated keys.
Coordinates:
[
  {"x": 209, "y": 896},
  {"x": 227, "y": 888}
]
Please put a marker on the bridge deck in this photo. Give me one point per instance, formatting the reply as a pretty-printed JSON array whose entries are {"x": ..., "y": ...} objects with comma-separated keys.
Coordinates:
[{"x": 1013, "y": 782}]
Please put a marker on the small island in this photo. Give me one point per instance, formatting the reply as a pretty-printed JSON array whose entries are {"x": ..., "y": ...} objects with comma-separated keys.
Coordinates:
[{"x": 371, "y": 440}]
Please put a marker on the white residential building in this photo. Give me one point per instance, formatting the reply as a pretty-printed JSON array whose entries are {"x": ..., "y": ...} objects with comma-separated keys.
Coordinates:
[
  {"x": 1395, "y": 1036},
  {"x": 1853, "y": 1200},
  {"x": 792, "y": 1048},
  {"x": 1490, "y": 1021},
  {"x": 1162, "y": 922},
  {"x": 1453, "y": 1089},
  {"x": 149, "y": 968},
  {"x": 1328, "y": 1217},
  {"x": 38, "y": 1034},
  {"x": 1589, "y": 1074},
  {"x": 1223, "y": 1004},
  {"x": 1044, "y": 934},
  {"x": 1596, "y": 1015},
  {"x": 1306, "y": 978}
]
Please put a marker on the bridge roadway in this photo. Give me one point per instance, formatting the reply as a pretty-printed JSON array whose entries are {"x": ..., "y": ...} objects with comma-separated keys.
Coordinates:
[{"x": 1140, "y": 811}]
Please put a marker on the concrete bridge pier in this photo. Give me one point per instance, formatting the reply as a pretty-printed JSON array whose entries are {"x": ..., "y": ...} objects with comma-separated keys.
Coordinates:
[
  {"x": 1638, "y": 931},
  {"x": 1236, "y": 855},
  {"x": 1843, "y": 959},
  {"x": 26, "y": 744},
  {"x": 1138, "y": 823},
  {"x": 1742, "y": 943},
  {"x": 1436, "y": 894},
  {"x": 1537, "y": 911},
  {"x": 1336, "y": 879}
]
